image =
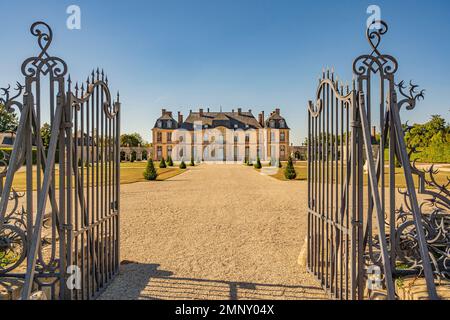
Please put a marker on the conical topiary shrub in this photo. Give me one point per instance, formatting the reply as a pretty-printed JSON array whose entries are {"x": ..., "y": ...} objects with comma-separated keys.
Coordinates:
[
  {"x": 162, "y": 164},
  {"x": 182, "y": 165},
  {"x": 258, "y": 164},
  {"x": 169, "y": 161},
  {"x": 192, "y": 164},
  {"x": 289, "y": 172},
  {"x": 279, "y": 164},
  {"x": 150, "y": 171}
]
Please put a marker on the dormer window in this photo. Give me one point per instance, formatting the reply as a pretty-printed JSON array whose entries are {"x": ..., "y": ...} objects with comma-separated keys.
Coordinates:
[
  {"x": 282, "y": 124},
  {"x": 236, "y": 126},
  {"x": 247, "y": 126},
  {"x": 272, "y": 123},
  {"x": 159, "y": 124},
  {"x": 169, "y": 124}
]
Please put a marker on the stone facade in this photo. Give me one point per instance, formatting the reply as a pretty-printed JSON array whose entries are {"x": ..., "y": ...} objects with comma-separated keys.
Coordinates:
[{"x": 235, "y": 136}]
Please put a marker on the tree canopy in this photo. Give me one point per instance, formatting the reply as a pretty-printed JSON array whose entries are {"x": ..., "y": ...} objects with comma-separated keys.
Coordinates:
[
  {"x": 431, "y": 140},
  {"x": 8, "y": 120},
  {"x": 132, "y": 140}
]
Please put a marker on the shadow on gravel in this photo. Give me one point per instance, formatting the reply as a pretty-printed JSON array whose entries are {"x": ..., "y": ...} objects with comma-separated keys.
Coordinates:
[{"x": 146, "y": 282}]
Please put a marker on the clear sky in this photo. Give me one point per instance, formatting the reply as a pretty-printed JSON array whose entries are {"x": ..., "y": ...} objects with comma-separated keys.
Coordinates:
[{"x": 254, "y": 54}]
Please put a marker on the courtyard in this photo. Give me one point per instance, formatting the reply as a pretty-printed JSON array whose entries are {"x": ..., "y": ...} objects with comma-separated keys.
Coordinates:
[{"x": 214, "y": 232}]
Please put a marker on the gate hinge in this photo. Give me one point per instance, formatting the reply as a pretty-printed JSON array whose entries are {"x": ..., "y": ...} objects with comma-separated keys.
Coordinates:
[
  {"x": 355, "y": 124},
  {"x": 66, "y": 125}
]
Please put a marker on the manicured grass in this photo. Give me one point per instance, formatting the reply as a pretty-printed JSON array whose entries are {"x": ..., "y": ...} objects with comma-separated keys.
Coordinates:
[
  {"x": 129, "y": 173},
  {"x": 400, "y": 182},
  {"x": 301, "y": 168}
]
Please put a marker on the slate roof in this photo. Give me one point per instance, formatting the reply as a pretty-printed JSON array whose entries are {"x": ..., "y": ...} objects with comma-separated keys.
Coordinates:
[{"x": 243, "y": 120}]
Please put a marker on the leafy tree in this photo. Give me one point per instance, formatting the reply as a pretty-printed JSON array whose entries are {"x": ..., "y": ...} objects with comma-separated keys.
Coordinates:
[
  {"x": 183, "y": 165},
  {"x": 150, "y": 171},
  {"x": 169, "y": 161},
  {"x": 258, "y": 164},
  {"x": 131, "y": 140},
  {"x": 8, "y": 120},
  {"x": 46, "y": 132},
  {"x": 289, "y": 171},
  {"x": 431, "y": 140},
  {"x": 162, "y": 164}
]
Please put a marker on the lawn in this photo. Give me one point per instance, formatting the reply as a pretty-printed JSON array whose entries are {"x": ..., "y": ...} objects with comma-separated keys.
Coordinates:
[
  {"x": 302, "y": 174},
  {"x": 129, "y": 173}
]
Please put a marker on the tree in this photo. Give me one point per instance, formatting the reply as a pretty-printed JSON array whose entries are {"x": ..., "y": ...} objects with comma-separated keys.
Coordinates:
[
  {"x": 289, "y": 171},
  {"x": 182, "y": 165},
  {"x": 46, "y": 132},
  {"x": 431, "y": 140},
  {"x": 131, "y": 140},
  {"x": 258, "y": 164},
  {"x": 169, "y": 161},
  {"x": 192, "y": 164},
  {"x": 150, "y": 171},
  {"x": 8, "y": 120},
  {"x": 162, "y": 164}
]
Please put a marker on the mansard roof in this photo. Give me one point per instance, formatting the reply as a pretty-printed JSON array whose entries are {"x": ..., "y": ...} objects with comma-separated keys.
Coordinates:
[{"x": 230, "y": 120}]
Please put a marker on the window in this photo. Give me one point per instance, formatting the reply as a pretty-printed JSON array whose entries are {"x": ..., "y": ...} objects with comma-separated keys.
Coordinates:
[
  {"x": 159, "y": 137},
  {"x": 169, "y": 136},
  {"x": 236, "y": 126},
  {"x": 247, "y": 138},
  {"x": 169, "y": 151},
  {"x": 181, "y": 153},
  {"x": 159, "y": 153},
  {"x": 169, "y": 124},
  {"x": 282, "y": 124},
  {"x": 236, "y": 139},
  {"x": 272, "y": 137},
  {"x": 181, "y": 139},
  {"x": 282, "y": 137},
  {"x": 282, "y": 152},
  {"x": 159, "y": 124},
  {"x": 272, "y": 123}
]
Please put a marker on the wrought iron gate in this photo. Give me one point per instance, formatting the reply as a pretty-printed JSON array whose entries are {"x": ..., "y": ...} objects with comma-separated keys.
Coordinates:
[
  {"x": 363, "y": 235},
  {"x": 60, "y": 233}
]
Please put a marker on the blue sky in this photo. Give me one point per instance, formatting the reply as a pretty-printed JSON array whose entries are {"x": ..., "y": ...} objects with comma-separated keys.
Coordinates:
[{"x": 254, "y": 54}]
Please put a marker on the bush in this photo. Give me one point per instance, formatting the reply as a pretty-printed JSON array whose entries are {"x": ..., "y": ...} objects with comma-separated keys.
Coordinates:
[
  {"x": 150, "y": 171},
  {"x": 258, "y": 164},
  {"x": 250, "y": 164},
  {"x": 182, "y": 165},
  {"x": 169, "y": 161},
  {"x": 192, "y": 164},
  {"x": 279, "y": 164},
  {"x": 162, "y": 164},
  {"x": 289, "y": 172}
]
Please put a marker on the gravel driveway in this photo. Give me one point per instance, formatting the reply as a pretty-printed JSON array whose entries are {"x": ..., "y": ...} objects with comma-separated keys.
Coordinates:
[{"x": 214, "y": 232}]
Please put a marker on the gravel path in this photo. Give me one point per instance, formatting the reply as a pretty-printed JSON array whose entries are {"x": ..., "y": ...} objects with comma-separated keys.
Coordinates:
[{"x": 215, "y": 232}]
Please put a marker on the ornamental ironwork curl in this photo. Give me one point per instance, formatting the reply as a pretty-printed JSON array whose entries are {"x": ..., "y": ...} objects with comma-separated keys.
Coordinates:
[
  {"x": 375, "y": 62},
  {"x": 44, "y": 63},
  {"x": 316, "y": 108},
  {"x": 12, "y": 233}
]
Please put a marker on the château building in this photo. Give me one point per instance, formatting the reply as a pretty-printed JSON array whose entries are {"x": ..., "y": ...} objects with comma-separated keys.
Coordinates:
[{"x": 235, "y": 136}]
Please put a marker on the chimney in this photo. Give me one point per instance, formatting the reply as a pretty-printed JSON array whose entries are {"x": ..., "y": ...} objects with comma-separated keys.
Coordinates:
[
  {"x": 201, "y": 112},
  {"x": 232, "y": 111},
  {"x": 180, "y": 118},
  {"x": 249, "y": 110},
  {"x": 164, "y": 111},
  {"x": 208, "y": 110},
  {"x": 278, "y": 111},
  {"x": 239, "y": 111},
  {"x": 260, "y": 119}
]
